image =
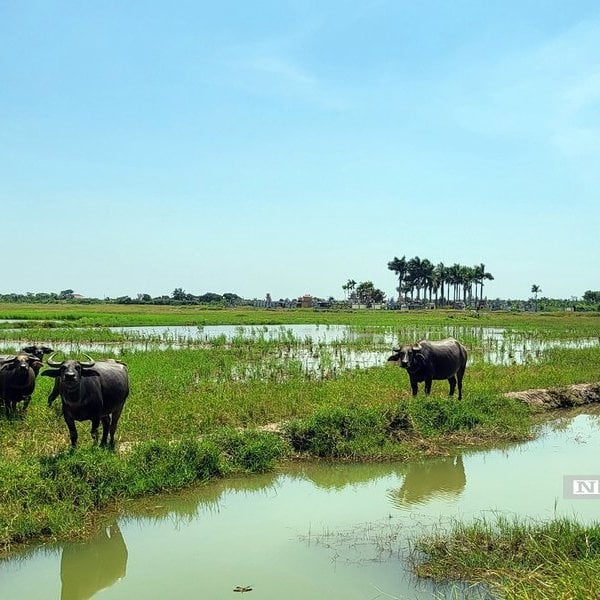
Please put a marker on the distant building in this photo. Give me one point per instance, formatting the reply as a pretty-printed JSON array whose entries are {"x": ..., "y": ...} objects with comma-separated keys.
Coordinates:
[{"x": 305, "y": 301}]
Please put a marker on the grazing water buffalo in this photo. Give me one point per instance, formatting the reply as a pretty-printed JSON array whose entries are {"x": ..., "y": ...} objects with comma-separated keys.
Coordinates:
[
  {"x": 426, "y": 361},
  {"x": 91, "y": 391},
  {"x": 17, "y": 379}
]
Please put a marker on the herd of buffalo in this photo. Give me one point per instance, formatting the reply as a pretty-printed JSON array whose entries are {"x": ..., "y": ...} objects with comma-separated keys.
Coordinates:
[{"x": 96, "y": 390}]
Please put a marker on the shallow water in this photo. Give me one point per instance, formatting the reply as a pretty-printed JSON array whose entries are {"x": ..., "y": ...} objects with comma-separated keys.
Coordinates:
[
  {"x": 324, "y": 350},
  {"x": 317, "y": 531}
]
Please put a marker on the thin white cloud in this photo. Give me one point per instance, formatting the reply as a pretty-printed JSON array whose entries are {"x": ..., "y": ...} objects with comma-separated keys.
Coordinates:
[{"x": 549, "y": 96}]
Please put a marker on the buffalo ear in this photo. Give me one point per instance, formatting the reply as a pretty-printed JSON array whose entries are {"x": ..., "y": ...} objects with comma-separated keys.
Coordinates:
[
  {"x": 394, "y": 357},
  {"x": 50, "y": 373},
  {"x": 47, "y": 350},
  {"x": 89, "y": 373}
]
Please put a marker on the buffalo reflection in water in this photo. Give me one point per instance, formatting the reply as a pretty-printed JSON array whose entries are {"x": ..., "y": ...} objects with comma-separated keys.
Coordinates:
[
  {"x": 425, "y": 480},
  {"x": 88, "y": 567}
]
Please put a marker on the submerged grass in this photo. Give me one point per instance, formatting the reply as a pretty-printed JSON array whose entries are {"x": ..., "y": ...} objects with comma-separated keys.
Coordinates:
[{"x": 517, "y": 559}]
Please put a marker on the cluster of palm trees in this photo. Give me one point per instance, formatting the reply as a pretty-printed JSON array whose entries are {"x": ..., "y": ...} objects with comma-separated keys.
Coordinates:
[{"x": 421, "y": 279}]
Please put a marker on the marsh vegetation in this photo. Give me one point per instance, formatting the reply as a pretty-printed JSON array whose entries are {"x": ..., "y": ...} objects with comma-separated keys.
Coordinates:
[{"x": 205, "y": 403}]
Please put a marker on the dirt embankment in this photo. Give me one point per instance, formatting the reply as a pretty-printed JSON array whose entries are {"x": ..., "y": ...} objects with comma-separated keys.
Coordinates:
[{"x": 560, "y": 397}]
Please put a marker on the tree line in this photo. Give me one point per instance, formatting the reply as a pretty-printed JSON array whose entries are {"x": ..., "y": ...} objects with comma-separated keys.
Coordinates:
[{"x": 421, "y": 279}]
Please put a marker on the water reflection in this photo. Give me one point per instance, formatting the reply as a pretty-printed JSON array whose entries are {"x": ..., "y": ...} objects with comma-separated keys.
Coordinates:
[
  {"x": 426, "y": 480},
  {"x": 94, "y": 565},
  {"x": 349, "y": 527}
]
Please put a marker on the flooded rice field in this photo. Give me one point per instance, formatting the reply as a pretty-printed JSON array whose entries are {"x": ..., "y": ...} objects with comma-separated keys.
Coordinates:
[
  {"x": 316, "y": 350},
  {"x": 317, "y": 531}
]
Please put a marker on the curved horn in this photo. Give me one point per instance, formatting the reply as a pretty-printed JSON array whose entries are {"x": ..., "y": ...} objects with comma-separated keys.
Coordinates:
[
  {"x": 90, "y": 362},
  {"x": 52, "y": 363}
]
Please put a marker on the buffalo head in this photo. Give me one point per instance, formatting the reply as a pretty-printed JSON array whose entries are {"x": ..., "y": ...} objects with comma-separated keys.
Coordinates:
[
  {"x": 37, "y": 351},
  {"x": 409, "y": 357},
  {"x": 69, "y": 371},
  {"x": 20, "y": 364}
]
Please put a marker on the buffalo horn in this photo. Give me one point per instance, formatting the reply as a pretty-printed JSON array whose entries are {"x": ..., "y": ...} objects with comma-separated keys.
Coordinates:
[
  {"x": 88, "y": 363},
  {"x": 52, "y": 362}
]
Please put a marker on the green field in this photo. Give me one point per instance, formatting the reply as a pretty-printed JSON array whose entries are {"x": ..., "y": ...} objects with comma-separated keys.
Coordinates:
[{"x": 210, "y": 408}]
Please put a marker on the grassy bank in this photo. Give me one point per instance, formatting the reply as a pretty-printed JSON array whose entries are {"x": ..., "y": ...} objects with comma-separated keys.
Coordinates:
[
  {"x": 516, "y": 559},
  {"x": 206, "y": 410}
]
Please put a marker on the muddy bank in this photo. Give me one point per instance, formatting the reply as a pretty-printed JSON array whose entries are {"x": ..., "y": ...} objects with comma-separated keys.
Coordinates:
[{"x": 560, "y": 397}]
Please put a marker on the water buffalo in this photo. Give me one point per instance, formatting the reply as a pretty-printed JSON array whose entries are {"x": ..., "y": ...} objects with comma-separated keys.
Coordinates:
[
  {"x": 38, "y": 351},
  {"x": 426, "y": 361},
  {"x": 91, "y": 391},
  {"x": 17, "y": 379}
]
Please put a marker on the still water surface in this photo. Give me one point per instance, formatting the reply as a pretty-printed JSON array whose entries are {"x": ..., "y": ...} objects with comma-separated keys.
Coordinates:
[
  {"x": 323, "y": 350},
  {"x": 313, "y": 531}
]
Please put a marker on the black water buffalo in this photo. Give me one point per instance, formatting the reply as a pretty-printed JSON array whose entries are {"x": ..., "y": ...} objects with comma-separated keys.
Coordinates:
[
  {"x": 17, "y": 379},
  {"x": 91, "y": 391},
  {"x": 426, "y": 361},
  {"x": 38, "y": 351}
]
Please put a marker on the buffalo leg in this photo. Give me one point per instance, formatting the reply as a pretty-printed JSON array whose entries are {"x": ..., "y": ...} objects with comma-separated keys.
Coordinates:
[
  {"x": 428, "y": 386},
  {"x": 54, "y": 393},
  {"x": 72, "y": 429},
  {"x": 105, "y": 428},
  {"x": 414, "y": 386},
  {"x": 26, "y": 402},
  {"x": 452, "y": 381},
  {"x": 94, "y": 431},
  {"x": 113, "y": 424},
  {"x": 459, "y": 376}
]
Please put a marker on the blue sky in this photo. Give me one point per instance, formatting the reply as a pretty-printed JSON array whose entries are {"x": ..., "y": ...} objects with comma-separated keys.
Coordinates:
[{"x": 287, "y": 146}]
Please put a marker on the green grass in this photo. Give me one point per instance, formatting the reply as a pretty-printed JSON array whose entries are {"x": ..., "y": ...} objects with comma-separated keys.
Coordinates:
[
  {"x": 104, "y": 315},
  {"x": 56, "y": 495},
  {"x": 517, "y": 559},
  {"x": 195, "y": 413}
]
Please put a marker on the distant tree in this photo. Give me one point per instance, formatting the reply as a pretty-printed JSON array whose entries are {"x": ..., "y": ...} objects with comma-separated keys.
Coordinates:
[
  {"x": 535, "y": 290},
  {"x": 209, "y": 298},
  {"x": 348, "y": 287},
  {"x": 591, "y": 297},
  {"x": 179, "y": 294},
  {"x": 367, "y": 293},
  {"x": 480, "y": 275},
  {"x": 66, "y": 295},
  {"x": 400, "y": 267},
  {"x": 231, "y": 298}
]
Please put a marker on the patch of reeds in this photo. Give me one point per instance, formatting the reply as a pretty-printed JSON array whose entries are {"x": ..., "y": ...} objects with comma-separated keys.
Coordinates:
[{"x": 517, "y": 559}]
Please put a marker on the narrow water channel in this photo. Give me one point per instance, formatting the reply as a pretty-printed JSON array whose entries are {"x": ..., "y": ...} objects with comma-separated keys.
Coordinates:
[{"x": 312, "y": 531}]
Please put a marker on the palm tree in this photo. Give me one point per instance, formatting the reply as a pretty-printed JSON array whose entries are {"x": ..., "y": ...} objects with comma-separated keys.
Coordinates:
[
  {"x": 400, "y": 268},
  {"x": 453, "y": 279},
  {"x": 535, "y": 290},
  {"x": 481, "y": 274},
  {"x": 427, "y": 272},
  {"x": 415, "y": 275},
  {"x": 467, "y": 280},
  {"x": 440, "y": 274}
]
